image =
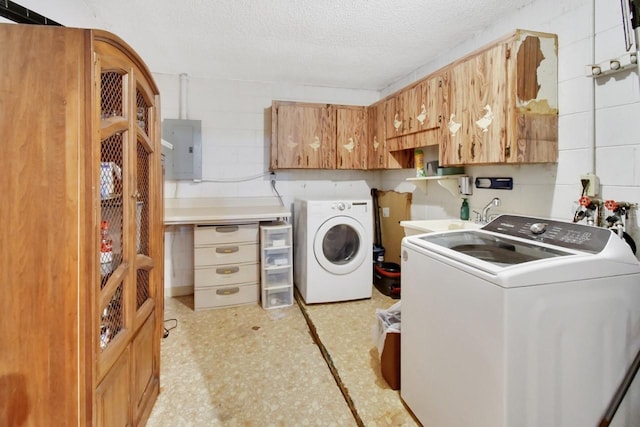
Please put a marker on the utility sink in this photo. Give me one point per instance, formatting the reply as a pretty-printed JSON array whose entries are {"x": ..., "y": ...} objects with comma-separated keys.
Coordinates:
[{"x": 432, "y": 225}]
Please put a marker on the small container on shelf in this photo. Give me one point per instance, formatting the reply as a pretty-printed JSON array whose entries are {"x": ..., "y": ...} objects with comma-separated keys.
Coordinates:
[{"x": 106, "y": 249}]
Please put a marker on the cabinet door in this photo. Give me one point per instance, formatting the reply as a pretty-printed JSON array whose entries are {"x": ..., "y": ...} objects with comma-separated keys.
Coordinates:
[
  {"x": 429, "y": 104},
  {"x": 144, "y": 197},
  {"x": 113, "y": 395},
  {"x": 129, "y": 300},
  {"x": 375, "y": 138},
  {"x": 405, "y": 107},
  {"x": 144, "y": 368},
  {"x": 303, "y": 136},
  {"x": 115, "y": 321},
  {"x": 350, "y": 136},
  {"x": 411, "y": 99},
  {"x": 478, "y": 109},
  {"x": 393, "y": 117}
]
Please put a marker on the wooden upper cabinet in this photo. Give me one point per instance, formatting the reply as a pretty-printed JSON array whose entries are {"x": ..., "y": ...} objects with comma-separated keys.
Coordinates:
[
  {"x": 303, "y": 136},
  {"x": 502, "y": 103},
  {"x": 375, "y": 138},
  {"x": 351, "y": 125},
  {"x": 400, "y": 110},
  {"x": 416, "y": 108},
  {"x": 478, "y": 111},
  {"x": 318, "y": 136}
]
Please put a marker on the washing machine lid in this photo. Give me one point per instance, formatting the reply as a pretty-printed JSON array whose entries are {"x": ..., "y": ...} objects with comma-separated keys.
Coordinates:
[
  {"x": 340, "y": 245},
  {"x": 514, "y": 251},
  {"x": 497, "y": 250}
]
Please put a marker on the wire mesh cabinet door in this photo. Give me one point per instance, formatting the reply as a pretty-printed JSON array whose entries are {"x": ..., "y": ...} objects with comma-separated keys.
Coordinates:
[{"x": 131, "y": 242}]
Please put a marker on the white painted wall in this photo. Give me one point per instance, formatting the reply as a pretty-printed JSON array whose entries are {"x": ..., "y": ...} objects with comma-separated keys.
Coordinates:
[{"x": 236, "y": 125}]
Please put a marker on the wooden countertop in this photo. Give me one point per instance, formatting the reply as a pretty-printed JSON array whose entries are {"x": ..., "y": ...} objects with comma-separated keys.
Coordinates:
[{"x": 223, "y": 210}]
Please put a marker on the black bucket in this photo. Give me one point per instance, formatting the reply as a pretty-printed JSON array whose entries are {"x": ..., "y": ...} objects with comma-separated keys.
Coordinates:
[{"x": 386, "y": 278}]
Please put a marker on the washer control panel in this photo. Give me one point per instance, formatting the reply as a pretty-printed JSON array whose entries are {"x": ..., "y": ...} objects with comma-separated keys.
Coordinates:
[
  {"x": 341, "y": 206},
  {"x": 565, "y": 234}
]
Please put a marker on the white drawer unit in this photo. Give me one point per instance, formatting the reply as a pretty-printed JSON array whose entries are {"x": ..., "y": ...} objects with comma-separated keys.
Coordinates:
[
  {"x": 276, "y": 249},
  {"x": 226, "y": 265}
]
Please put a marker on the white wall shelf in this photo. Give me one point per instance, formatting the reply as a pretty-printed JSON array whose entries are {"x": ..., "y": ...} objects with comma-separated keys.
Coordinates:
[{"x": 450, "y": 182}]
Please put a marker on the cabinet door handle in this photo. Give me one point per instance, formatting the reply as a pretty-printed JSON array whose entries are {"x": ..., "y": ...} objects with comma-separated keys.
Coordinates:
[
  {"x": 227, "y": 291},
  {"x": 227, "y": 249},
  {"x": 227, "y": 228},
  {"x": 227, "y": 270}
]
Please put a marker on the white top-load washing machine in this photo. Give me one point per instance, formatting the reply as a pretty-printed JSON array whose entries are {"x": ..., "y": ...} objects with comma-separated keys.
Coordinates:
[
  {"x": 524, "y": 322},
  {"x": 333, "y": 250}
]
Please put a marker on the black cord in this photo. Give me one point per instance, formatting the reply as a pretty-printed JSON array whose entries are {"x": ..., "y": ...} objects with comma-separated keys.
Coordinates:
[
  {"x": 166, "y": 330},
  {"x": 275, "y": 190}
]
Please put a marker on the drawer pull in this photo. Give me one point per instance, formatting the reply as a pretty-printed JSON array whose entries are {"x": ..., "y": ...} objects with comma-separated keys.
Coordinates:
[
  {"x": 227, "y": 291},
  {"x": 227, "y": 250},
  {"x": 227, "y": 270},
  {"x": 227, "y": 228}
]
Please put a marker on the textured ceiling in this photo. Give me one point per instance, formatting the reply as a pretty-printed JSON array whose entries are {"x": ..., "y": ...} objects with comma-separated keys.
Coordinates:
[{"x": 360, "y": 44}]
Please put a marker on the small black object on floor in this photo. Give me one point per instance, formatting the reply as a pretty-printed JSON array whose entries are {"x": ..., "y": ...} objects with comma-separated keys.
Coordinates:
[{"x": 386, "y": 278}]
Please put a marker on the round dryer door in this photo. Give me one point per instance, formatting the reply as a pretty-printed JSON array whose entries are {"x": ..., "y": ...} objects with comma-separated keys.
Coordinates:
[{"x": 339, "y": 245}]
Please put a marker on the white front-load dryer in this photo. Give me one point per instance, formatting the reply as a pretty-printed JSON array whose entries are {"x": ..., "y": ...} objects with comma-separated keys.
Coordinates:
[{"x": 332, "y": 257}]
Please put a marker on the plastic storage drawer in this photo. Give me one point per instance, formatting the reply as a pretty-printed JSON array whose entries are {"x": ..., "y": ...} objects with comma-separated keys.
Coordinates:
[
  {"x": 225, "y": 254},
  {"x": 224, "y": 296},
  {"x": 220, "y": 234},
  {"x": 226, "y": 274}
]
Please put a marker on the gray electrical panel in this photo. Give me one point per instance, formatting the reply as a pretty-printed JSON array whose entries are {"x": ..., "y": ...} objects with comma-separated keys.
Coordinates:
[{"x": 184, "y": 162}]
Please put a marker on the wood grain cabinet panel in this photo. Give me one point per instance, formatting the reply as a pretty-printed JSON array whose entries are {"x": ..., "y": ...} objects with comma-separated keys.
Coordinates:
[
  {"x": 113, "y": 395},
  {"x": 502, "y": 103},
  {"x": 351, "y": 130},
  {"x": 415, "y": 116},
  {"x": 318, "y": 136},
  {"x": 82, "y": 222},
  {"x": 375, "y": 137},
  {"x": 303, "y": 136}
]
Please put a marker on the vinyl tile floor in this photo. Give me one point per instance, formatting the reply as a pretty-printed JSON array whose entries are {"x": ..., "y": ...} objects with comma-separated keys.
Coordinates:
[{"x": 246, "y": 366}]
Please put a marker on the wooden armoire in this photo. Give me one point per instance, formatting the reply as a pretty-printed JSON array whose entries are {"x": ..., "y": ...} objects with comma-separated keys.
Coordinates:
[{"x": 81, "y": 229}]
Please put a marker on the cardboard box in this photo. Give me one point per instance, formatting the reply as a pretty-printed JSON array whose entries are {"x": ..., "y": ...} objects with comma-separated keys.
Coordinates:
[
  {"x": 390, "y": 360},
  {"x": 399, "y": 208}
]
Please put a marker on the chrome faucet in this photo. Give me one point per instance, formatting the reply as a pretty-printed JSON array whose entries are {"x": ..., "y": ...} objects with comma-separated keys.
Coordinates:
[{"x": 484, "y": 217}]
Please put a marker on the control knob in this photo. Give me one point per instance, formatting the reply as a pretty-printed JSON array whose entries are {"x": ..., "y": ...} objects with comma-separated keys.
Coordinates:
[
  {"x": 538, "y": 228},
  {"x": 341, "y": 206}
]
